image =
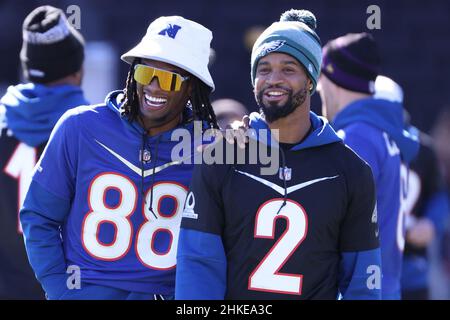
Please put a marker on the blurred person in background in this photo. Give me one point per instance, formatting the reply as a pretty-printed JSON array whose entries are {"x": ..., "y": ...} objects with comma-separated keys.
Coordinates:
[
  {"x": 441, "y": 134},
  {"x": 426, "y": 207},
  {"x": 229, "y": 112},
  {"x": 52, "y": 57},
  {"x": 373, "y": 128}
]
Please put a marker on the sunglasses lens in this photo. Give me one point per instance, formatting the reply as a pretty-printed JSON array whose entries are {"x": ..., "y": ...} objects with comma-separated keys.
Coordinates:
[
  {"x": 168, "y": 81},
  {"x": 143, "y": 74}
]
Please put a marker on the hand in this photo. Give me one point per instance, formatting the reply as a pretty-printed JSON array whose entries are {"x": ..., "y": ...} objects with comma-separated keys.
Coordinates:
[
  {"x": 237, "y": 130},
  {"x": 421, "y": 233}
]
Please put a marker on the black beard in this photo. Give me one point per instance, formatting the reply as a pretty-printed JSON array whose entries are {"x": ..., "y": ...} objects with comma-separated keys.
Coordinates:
[{"x": 272, "y": 112}]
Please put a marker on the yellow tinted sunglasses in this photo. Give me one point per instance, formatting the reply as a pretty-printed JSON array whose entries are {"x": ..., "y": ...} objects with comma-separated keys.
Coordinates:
[{"x": 168, "y": 81}]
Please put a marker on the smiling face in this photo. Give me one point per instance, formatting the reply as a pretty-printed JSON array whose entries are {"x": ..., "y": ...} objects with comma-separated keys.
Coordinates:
[
  {"x": 162, "y": 110},
  {"x": 281, "y": 85}
]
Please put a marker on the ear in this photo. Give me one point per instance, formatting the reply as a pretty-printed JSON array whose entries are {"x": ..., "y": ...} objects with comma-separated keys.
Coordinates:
[
  {"x": 76, "y": 78},
  {"x": 80, "y": 74},
  {"x": 310, "y": 85}
]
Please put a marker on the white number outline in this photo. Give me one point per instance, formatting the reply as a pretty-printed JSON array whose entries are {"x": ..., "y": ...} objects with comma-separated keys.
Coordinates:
[
  {"x": 174, "y": 217},
  {"x": 148, "y": 218},
  {"x": 410, "y": 188},
  {"x": 91, "y": 211},
  {"x": 20, "y": 167},
  {"x": 297, "y": 277}
]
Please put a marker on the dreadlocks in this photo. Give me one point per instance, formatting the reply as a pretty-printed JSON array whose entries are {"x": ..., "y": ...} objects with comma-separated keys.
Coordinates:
[
  {"x": 200, "y": 100},
  {"x": 201, "y": 103},
  {"x": 130, "y": 101}
]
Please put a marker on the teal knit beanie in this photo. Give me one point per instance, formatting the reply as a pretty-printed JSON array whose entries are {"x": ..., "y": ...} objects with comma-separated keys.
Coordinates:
[{"x": 294, "y": 35}]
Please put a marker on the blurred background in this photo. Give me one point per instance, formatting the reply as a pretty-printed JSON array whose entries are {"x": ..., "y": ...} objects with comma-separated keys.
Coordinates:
[{"x": 413, "y": 41}]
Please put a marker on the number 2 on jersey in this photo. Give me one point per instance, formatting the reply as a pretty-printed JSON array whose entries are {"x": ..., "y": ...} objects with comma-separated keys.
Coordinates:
[{"x": 266, "y": 276}]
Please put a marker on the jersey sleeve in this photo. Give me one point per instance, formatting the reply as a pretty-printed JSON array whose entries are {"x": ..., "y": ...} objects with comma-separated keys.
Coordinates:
[
  {"x": 360, "y": 275},
  {"x": 46, "y": 206},
  {"x": 364, "y": 146},
  {"x": 360, "y": 266},
  {"x": 56, "y": 169},
  {"x": 359, "y": 228},
  {"x": 201, "y": 261},
  {"x": 41, "y": 217}
]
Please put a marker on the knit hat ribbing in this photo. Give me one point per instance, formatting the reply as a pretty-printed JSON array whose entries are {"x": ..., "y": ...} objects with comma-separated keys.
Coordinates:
[{"x": 352, "y": 62}]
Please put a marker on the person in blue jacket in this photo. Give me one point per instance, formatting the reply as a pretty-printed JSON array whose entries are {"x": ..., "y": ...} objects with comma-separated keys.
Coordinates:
[
  {"x": 101, "y": 218},
  {"x": 426, "y": 207},
  {"x": 309, "y": 231},
  {"x": 374, "y": 129},
  {"x": 52, "y": 58}
]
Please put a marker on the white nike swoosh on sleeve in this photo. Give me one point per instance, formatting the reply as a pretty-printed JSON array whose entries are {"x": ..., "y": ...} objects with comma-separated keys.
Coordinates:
[{"x": 280, "y": 189}]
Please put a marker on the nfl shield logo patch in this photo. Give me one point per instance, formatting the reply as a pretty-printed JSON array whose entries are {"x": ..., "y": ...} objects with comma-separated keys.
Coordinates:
[
  {"x": 145, "y": 155},
  {"x": 285, "y": 173}
]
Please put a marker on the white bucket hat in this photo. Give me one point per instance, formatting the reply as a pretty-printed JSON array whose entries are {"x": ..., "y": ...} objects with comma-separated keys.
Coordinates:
[
  {"x": 388, "y": 89},
  {"x": 178, "y": 41}
]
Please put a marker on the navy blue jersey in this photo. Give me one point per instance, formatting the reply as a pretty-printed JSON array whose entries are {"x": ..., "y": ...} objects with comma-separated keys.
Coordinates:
[
  {"x": 17, "y": 160},
  {"x": 248, "y": 236},
  {"x": 119, "y": 215}
]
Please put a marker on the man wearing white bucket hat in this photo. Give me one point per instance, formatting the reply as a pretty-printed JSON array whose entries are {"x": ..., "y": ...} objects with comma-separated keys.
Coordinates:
[{"x": 101, "y": 218}]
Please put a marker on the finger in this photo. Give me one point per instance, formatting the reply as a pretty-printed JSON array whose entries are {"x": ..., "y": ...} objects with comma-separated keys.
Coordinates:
[
  {"x": 235, "y": 125},
  {"x": 246, "y": 121},
  {"x": 229, "y": 136},
  {"x": 232, "y": 136},
  {"x": 241, "y": 139},
  {"x": 217, "y": 136}
]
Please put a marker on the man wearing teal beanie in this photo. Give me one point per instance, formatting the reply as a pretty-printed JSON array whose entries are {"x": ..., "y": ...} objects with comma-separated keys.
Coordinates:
[
  {"x": 307, "y": 231},
  {"x": 294, "y": 37}
]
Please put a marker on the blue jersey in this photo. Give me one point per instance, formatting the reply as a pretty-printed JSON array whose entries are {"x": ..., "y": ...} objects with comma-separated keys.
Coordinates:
[
  {"x": 121, "y": 196},
  {"x": 373, "y": 128}
]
